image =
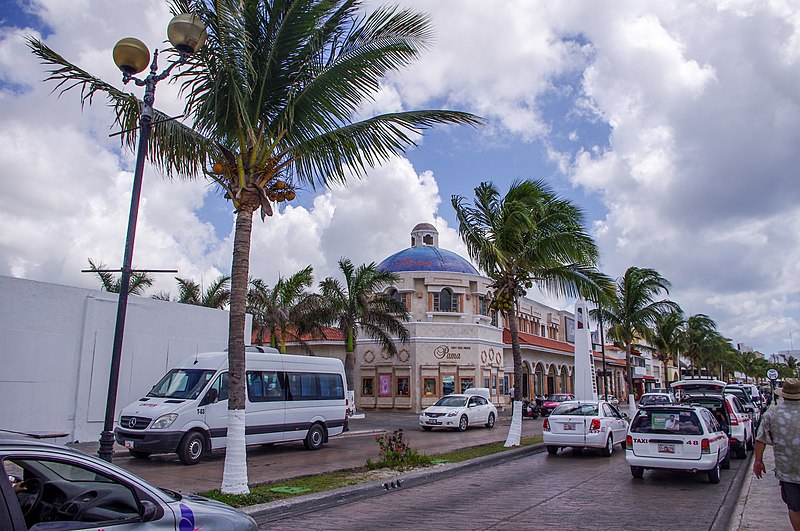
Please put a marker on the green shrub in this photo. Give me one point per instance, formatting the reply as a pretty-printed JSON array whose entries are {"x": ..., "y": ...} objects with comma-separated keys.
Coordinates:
[{"x": 396, "y": 453}]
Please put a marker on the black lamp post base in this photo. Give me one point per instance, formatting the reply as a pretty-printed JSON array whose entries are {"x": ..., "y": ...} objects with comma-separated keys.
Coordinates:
[{"x": 106, "y": 451}]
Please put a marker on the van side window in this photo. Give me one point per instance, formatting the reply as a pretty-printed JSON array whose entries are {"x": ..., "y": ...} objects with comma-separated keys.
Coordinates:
[
  {"x": 331, "y": 387},
  {"x": 264, "y": 386},
  {"x": 303, "y": 386}
]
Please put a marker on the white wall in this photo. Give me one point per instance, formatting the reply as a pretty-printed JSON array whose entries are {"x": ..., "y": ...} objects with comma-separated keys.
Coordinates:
[{"x": 55, "y": 352}]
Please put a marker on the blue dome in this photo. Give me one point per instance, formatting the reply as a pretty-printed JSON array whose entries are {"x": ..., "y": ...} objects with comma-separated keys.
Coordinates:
[{"x": 426, "y": 258}]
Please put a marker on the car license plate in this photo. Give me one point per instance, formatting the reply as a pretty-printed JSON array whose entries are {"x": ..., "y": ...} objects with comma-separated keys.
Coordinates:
[
  {"x": 433, "y": 421},
  {"x": 128, "y": 444},
  {"x": 666, "y": 448},
  {"x": 569, "y": 427}
]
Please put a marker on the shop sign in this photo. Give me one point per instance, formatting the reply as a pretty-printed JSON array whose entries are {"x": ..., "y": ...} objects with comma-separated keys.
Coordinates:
[{"x": 445, "y": 352}]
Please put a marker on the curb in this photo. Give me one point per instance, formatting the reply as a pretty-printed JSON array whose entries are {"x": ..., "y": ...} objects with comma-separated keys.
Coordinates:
[
  {"x": 735, "y": 500},
  {"x": 278, "y": 510}
]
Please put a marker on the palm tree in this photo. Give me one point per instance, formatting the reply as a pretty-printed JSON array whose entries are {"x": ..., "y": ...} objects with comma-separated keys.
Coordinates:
[
  {"x": 700, "y": 337},
  {"x": 792, "y": 364},
  {"x": 287, "y": 311},
  {"x": 633, "y": 310},
  {"x": 666, "y": 337},
  {"x": 528, "y": 237},
  {"x": 358, "y": 305},
  {"x": 140, "y": 281},
  {"x": 216, "y": 295},
  {"x": 271, "y": 102}
]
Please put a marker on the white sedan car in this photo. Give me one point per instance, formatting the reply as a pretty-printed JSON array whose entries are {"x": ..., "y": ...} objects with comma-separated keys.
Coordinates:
[
  {"x": 459, "y": 412},
  {"x": 585, "y": 424}
]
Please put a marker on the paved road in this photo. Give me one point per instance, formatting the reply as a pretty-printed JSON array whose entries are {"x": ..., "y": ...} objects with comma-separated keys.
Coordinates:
[
  {"x": 274, "y": 463},
  {"x": 568, "y": 491}
]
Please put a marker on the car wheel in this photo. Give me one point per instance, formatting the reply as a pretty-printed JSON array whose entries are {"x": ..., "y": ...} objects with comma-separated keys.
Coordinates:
[
  {"x": 490, "y": 421},
  {"x": 726, "y": 462},
  {"x": 315, "y": 438},
  {"x": 637, "y": 472},
  {"x": 463, "y": 423},
  {"x": 741, "y": 452},
  {"x": 552, "y": 450},
  {"x": 609, "y": 449},
  {"x": 191, "y": 448},
  {"x": 577, "y": 451},
  {"x": 534, "y": 416},
  {"x": 139, "y": 454},
  {"x": 427, "y": 428},
  {"x": 713, "y": 474}
]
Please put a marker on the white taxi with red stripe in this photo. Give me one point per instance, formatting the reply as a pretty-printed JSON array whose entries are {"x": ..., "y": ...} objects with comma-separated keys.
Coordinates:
[{"x": 677, "y": 437}]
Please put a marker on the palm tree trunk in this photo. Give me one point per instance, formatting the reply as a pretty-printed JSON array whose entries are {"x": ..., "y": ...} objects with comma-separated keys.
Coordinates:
[
  {"x": 234, "y": 478},
  {"x": 515, "y": 430},
  {"x": 629, "y": 373},
  {"x": 666, "y": 375},
  {"x": 350, "y": 360}
]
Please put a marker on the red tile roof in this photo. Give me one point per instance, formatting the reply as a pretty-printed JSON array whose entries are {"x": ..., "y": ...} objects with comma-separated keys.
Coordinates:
[
  {"x": 326, "y": 334},
  {"x": 538, "y": 341}
]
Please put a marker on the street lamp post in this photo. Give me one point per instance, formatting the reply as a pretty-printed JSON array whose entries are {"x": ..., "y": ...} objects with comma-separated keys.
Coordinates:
[{"x": 187, "y": 34}]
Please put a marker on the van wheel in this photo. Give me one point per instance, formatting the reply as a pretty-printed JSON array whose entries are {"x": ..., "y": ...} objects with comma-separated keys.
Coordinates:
[
  {"x": 713, "y": 474},
  {"x": 139, "y": 454},
  {"x": 490, "y": 421},
  {"x": 191, "y": 448},
  {"x": 315, "y": 438},
  {"x": 609, "y": 449},
  {"x": 637, "y": 472}
]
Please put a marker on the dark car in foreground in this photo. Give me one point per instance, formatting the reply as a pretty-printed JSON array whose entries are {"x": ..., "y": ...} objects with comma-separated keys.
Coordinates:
[{"x": 53, "y": 487}]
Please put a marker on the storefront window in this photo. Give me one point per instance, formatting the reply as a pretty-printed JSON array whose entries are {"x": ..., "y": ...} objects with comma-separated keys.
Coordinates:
[
  {"x": 367, "y": 387},
  {"x": 494, "y": 384},
  {"x": 467, "y": 383},
  {"x": 429, "y": 386},
  {"x": 402, "y": 386},
  {"x": 448, "y": 384},
  {"x": 486, "y": 382}
]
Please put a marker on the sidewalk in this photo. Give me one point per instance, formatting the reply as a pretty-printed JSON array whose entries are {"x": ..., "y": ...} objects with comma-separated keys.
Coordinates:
[{"x": 760, "y": 505}]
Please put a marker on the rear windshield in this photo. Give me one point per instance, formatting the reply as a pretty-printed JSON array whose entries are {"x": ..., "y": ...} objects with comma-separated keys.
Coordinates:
[
  {"x": 676, "y": 422},
  {"x": 654, "y": 399},
  {"x": 706, "y": 387},
  {"x": 582, "y": 410}
]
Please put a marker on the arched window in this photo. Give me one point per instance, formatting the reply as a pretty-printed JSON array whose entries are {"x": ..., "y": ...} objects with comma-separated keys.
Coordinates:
[
  {"x": 444, "y": 301},
  {"x": 427, "y": 239}
]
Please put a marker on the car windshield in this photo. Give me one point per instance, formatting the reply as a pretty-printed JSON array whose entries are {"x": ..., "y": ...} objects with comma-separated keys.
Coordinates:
[
  {"x": 557, "y": 398},
  {"x": 452, "y": 401},
  {"x": 666, "y": 421},
  {"x": 181, "y": 383},
  {"x": 582, "y": 410}
]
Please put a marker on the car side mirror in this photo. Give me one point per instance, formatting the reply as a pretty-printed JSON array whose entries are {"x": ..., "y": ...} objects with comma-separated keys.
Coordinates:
[
  {"x": 625, "y": 415},
  {"x": 149, "y": 511}
]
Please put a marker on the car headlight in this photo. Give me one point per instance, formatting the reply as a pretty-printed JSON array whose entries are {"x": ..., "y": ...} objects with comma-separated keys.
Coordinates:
[
  {"x": 164, "y": 421},
  {"x": 452, "y": 414}
]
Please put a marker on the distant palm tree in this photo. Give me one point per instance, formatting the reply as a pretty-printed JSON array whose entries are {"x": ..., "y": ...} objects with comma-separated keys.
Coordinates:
[
  {"x": 633, "y": 311},
  {"x": 666, "y": 336},
  {"x": 700, "y": 338},
  {"x": 528, "y": 237},
  {"x": 139, "y": 281},
  {"x": 287, "y": 312},
  {"x": 792, "y": 364},
  {"x": 217, "y": 295},
  {"x": 359, "y": 305}
]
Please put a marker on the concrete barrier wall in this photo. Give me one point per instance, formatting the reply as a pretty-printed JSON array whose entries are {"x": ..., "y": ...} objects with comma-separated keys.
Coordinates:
[{"x": 55, "y": 352}]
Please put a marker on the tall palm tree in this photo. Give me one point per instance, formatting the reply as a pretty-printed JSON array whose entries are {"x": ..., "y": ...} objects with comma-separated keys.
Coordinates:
[
  {"x": 528, "y": 237},
  {"x": 700, "y": 339},
  {"x": 287, "y": 311},
  {"x": 359, "y": 305},
  {"x": 272, "y": 103},
  {"x": 666, "y": 336},
  {"x": 792, "y": 364},
  {"x": 139, "y": 281},
  {"x": 633, "y": 310},
  {"x": 216, "y": 294}
]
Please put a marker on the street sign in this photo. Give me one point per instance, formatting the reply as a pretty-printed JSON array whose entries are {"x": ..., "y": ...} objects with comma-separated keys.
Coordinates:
[{"x": 772, "y": 374}]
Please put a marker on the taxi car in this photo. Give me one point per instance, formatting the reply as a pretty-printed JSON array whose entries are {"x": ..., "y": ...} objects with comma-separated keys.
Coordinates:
[
  {"x": 50, "y": 486},
  {"x": 585, "y": 424},
  {"x": 459, "y": 412},
  {"x": 677, "y": 437}
]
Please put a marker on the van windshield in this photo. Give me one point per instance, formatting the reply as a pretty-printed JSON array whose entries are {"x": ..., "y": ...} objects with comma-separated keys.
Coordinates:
[{"x": 181, "y": 383}]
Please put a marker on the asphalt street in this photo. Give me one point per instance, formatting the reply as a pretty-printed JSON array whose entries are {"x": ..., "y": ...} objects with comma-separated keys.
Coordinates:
[{"x": 567, "y": 491}]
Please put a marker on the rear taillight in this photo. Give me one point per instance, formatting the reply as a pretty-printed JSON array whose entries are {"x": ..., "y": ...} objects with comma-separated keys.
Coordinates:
[
  {"x": 705, "y": 447},
  {"x": 546, "y": 425},
  {"x": 734, "y": 420},
  {"x": 629, "y": 443},
  {"x": 595, "y": 425}
]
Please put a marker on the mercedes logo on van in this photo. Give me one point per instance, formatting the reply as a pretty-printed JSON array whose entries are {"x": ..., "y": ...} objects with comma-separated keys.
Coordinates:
[{"x": 132, "y": 422}]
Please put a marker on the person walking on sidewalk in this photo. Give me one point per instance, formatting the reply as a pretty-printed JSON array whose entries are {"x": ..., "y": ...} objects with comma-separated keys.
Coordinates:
[{"x": 780, "y": 427}]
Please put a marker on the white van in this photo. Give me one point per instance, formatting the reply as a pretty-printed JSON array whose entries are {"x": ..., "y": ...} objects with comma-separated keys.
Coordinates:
[{"x": 289, "y": 398}]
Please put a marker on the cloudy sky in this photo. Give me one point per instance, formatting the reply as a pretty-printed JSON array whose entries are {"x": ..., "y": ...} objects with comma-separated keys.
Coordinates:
[{"x": 675, "y": 125}]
